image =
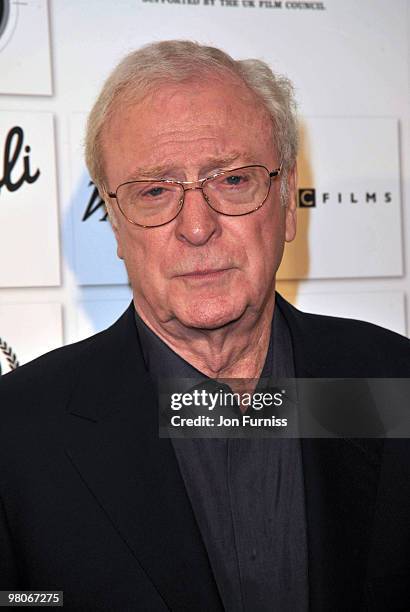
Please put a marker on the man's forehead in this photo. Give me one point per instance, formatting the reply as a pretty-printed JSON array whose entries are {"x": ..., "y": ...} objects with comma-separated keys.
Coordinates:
[
  {"x": 198, "y": 127},
  {"x": 194, "y": 98}
]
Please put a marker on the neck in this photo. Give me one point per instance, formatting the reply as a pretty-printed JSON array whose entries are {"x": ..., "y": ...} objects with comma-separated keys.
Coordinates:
[{"x": 236, "y": 350}]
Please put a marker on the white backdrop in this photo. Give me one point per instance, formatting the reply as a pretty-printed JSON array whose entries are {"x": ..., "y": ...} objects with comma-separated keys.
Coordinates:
[{"x": 59, "y": 276}]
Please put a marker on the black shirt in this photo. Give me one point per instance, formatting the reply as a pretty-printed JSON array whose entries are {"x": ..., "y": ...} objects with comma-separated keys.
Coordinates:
[{"x": 247, "y": 494}]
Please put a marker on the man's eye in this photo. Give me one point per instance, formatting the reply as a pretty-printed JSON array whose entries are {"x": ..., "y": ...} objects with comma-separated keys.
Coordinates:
[
  {"x": 235, "y": 180},
  {"x": 153, "y": 192}
]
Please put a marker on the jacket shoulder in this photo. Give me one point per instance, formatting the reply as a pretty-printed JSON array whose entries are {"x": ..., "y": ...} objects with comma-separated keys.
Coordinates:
[
  {"x": 50, "y": 376},
  {"x": 61, "y": 365},
  {"x": 361, "y": 330},
  {"x": 361, "y": 348}
]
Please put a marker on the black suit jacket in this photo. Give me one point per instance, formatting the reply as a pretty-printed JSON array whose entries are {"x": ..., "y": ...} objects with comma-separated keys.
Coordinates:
[{"x": 92, "y": 501}]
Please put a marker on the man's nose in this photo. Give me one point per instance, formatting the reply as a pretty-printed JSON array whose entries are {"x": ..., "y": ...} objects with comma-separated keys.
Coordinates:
[{"x": 197, "y": 223}]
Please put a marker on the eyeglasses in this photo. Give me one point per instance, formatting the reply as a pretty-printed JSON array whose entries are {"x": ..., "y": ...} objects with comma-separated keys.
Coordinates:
[{"x": 236, "y": 192}]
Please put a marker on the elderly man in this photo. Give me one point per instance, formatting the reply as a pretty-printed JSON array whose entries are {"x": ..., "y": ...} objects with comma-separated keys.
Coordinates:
[{"x": 194, "y": 154}]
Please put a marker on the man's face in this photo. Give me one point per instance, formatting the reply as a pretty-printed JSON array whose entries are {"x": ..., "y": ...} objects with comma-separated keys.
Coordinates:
[{"x": 202, "y": 269}]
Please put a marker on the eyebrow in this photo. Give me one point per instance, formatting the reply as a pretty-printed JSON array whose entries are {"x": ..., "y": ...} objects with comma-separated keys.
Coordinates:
[
  {"x": 221, "y": 163},
  {"x": 152, "y": 172},
  {"x": 214, "y": 164}
]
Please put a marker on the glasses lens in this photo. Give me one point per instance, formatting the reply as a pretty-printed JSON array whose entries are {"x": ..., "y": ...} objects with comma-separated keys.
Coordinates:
[
  {"x": 239, "y": 191},
  {"x": 150, "y": 203}
]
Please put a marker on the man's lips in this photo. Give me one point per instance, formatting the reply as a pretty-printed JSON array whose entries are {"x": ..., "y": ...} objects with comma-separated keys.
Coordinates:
[{"x": 208, "y": 273}]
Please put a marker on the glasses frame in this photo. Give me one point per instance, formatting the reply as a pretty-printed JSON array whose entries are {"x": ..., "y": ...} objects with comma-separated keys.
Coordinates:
[{"x": 199, "y": 186}]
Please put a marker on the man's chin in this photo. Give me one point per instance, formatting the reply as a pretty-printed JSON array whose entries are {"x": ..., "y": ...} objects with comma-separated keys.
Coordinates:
[{"x": 203, "y": 316}]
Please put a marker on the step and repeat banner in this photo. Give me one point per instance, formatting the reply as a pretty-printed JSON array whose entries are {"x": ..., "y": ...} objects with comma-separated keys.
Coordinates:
[{"x": 60, "y": 278}]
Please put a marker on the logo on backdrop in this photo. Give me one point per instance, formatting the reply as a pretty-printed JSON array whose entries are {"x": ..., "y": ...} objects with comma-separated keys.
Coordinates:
[
  {"x": 8, "y": 359},
  {"x": 94, "y": 204},
  {"x": 16, "y": 162},
  {"x": 311, "y": 198},
  {"x": 306, "y": 198},
  {"x": 249, "y": 4}
]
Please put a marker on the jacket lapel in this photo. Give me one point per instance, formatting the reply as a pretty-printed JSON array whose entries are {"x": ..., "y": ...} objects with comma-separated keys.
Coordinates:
[
  {"x": 341, "y": 479},
  {"x": 113, "y": 443}
]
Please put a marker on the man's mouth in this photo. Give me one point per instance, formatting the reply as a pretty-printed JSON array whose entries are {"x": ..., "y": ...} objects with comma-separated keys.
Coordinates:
[{"x": 206, "y": 274}]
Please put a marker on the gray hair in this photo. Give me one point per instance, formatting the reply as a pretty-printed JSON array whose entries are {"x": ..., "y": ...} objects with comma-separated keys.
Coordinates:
[{"x": 174, "y": 61}]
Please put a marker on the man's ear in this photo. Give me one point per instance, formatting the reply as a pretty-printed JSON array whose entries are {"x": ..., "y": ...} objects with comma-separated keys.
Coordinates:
[
  {"x": 116, "y": 232},
  {"x": 290, "y": 210},
  {"x": 112, "y": 219}
]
